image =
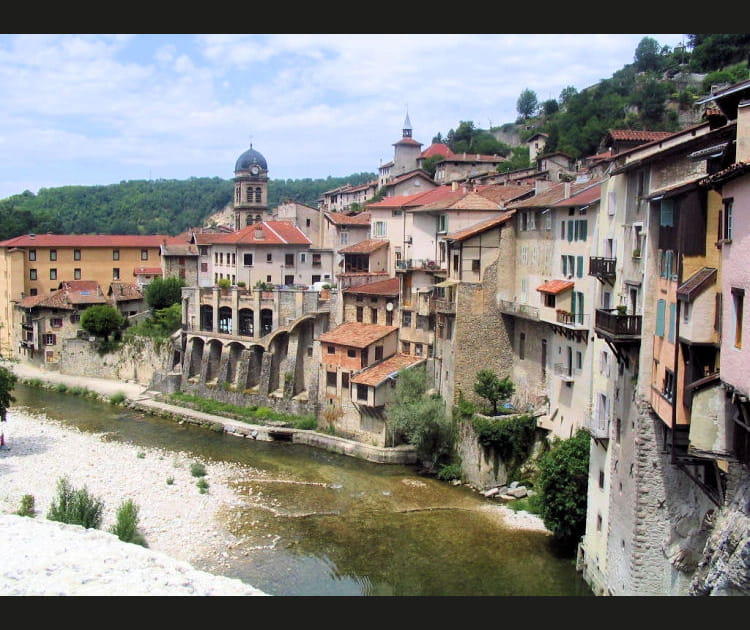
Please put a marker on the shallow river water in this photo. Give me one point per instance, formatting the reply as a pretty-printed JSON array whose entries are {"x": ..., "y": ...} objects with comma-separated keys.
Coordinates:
[{"x": 327, "y": 524}]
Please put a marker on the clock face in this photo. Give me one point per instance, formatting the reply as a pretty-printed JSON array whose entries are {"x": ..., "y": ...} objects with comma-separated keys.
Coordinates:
[{"x": 255, "y": 170}]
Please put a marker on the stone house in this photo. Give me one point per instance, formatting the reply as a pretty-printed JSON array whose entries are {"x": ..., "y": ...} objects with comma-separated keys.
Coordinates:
[
  {"x": 127, "y": 297},
  {"x": 180, "y": 260}
]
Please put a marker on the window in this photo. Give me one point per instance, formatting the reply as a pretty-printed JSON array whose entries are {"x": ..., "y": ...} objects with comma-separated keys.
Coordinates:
[
  {"x": 360, "y": 313},
  {"x": 76, "y": 254},
  {"x": 32, "y": 254},
  {"x": 268, "y": 278},
  {"x": 351, "y": 353},
  {"x": 405, "y": 347},
  {"x": 316, "y": 260},
  {"x": 611, "y": 202},
  {"x": 269, "y": 257},
  {"x": 302, "y": 258},
  {"x": 522, "y": 346},
  {"x": 32, "y": 274},
  {"x": 373, "y": 315},
  {"x": 32, "y": 291},
  {"x": 580, "y": 228},
  {"x": 422, "y": 322},
  {"x": 53, "y": 254},
  {"x": 144, "y": 254},
  {"x": 331, "y": 349},
  {"x": 56, "y": 322},
  {"x": 601, "y": 478},
  {"x": 418, "y": 349},
  {"x": 668, "y": 387},
  {"x": 221, "y": 258},
  {"x": 115, "y": 254},
  {"x": 738, "y": 298},
  {"x": 361, "y": 391},
  {"x": 524, "y": 256},
  {"x": 568, "y": 265},
  {"x": 406, "y": 319},
  {"x": 331, "y": 379},
  {"x": 344, "y": 381},
  {"x": 549, "y": 300},
  {"x": 378, "y": 353},
  {"x": 53, "y": 274},
  {"x": 579, "y": 360},
  {"x": 442, "y": 223},
  {"x": 378, "y": 229},
  {"x": 204, "y": 250},
  {"x": 666, "y": 213},
  {"x": 307, "y": 222},
  {"x": 76, "y": 274},
  {"x": 725, "y": 221},
  {"x": 672, "y": 321},
  {"x": 115, "y": 273},
  {"x": 49, "y": 340},
  {"x": 247, "y": 260},
  {"x": 289, "y": 260},
  {"x": 344, "y": 238},
  {"x": 204, "y": 267}
]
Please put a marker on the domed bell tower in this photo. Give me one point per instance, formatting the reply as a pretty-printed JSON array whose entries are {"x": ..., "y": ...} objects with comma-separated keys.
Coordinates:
[{"x": 250, "y": 189}]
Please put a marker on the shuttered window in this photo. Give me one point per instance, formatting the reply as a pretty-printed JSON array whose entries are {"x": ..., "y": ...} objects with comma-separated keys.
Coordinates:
[{"x": 661, "y": 306}]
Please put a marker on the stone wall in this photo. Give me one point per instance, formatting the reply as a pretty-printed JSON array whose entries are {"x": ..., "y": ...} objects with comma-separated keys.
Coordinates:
[{"x": 135, "y": 361}]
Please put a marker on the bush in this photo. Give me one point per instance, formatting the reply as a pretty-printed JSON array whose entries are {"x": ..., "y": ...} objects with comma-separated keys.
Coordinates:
[
  {"x": 202, "y": 485},
  {"x": 449, "y": 472},
  {"x": 76, "y": 507},
  {"x": 117, "y": 398},
  {"x": 306, "y": 422},
  {"x": 562, "y": 483},
  {"x": 197, "y": 469},
  {"x": 170, "y": 481},
  {"x": 27, "y": 506},
  {"x": 126, "y": 526}
]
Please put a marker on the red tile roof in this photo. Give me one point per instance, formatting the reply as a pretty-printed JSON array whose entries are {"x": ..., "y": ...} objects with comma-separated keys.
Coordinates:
[
  {"x": 480, "y": 227},
  {"x": 89, "y": 240},
  {"x": 410, "y": 175},
  {"x": 70, "y": 293},
  {"x": 364, "y": 247},
  {"x": 410, "y": 141},
  {"x": 376, "y": 374},
  {"x": 356, "y": 334},
  {"x": 124, "y": 291},
  {"x": 437, "y": 148},
  {"x": 272, "y": 233},
  {"x": 389, "y": 287},
  {"x": 555, "y": 286},
  {"x": 459, "y": 201},
  {"x": 636, "y": 135},
  {"x": 585, "y": 197},
  {"x": 147, "y": 271},
  {"x": 341, "y": 218},
  {"x": 405, "y": 201},
  {"x": 552, "y": 195}
]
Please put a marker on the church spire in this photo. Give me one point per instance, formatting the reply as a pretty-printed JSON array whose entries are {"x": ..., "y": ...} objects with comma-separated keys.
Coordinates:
[{"x": 407, "y": 126}]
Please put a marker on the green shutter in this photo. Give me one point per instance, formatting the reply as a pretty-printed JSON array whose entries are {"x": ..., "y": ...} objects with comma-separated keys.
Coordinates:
[
  {"x": 579, "y": 260},
  {"x": 584, "y": 228},
  {"x": 570, "y": 230},
  {"x": 666, "y": 217},
  {"x": 660, "y": 310}
]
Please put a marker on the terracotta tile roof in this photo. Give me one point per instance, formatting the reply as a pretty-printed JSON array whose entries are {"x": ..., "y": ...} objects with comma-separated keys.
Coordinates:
[
  {"x": 459, "y": 201},
  {"x": 356, "y": 334},
  {"x": 555, "y": 286},
  {"x": 404, "y": 201},
  {"x": 475, "y": 157},
  {"x": 89, "y": 240},
  {"x": 437, "y": 148},
  {"x": 376, "y": 374},
  {"x": 636, "y": 135},
  {"x": 272, "y": 233},
  {"x": 341, "y": 218},
  {"x": 480, "y": 227},
  {"x": 364, "y": 247},
  {"x": 124, "y": 291},
  {"x": 147, "y": 271},
  {"x": 409, "y": 141},
  {"x": 410, "y": 175},
  {"x": 583, "y": 198},
  {"x": 69, "y": 294},
  {"x": 179, "y": 249},
  {"x": 502, "y": 193},
  {"x": 389, "y": 287},
  {"x": 696, "y": 284},
  {"x": 552, "y": 195}
]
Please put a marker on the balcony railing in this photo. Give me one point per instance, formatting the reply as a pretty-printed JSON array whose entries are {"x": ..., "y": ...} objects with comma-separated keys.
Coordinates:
[
  {"x": 572, "y": 319},
  {"x": 602, "y": 267},
  {"x": 565, "y": 371},
  {"x": 418, "y": 263},
  {"x": 444, "y": 306},
  {"x": 616, "y": 326},
  {"x": 522, "y": 310},
  {"x": 599, "y": 426}
]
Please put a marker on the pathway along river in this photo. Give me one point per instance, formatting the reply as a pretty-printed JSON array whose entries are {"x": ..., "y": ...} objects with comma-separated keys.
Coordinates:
[{"x": 333, "y": 525}]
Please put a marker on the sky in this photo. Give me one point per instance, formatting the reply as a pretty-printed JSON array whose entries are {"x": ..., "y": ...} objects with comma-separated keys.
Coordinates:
[{"x": 98, "y": 109}]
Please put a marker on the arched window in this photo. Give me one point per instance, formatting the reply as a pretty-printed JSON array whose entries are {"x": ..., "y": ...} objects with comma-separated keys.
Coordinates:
[
  {"x": 257, "y": 195},
  {"x": 249, "y": 219},
  {"x": 249, "y": 194},
  {"x": 257, "y": 218}
]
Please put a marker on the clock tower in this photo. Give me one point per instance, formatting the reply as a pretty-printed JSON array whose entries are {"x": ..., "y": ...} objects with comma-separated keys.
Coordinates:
[{"x": 250, "y": 189}]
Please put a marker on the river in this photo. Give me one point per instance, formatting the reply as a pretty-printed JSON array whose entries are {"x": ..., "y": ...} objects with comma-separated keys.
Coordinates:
[{"x": 328, "y": 524}]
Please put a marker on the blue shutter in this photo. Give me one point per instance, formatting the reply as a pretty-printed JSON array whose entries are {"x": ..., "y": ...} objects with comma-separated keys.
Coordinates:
[
  {"x": 660, "y": 311},
  {"x": 666, "y": 217}
]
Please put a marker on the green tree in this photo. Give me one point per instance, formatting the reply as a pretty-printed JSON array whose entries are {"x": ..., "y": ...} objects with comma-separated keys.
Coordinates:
[
  {"x": 101, "y": 320},
  {"x": 420, "y": 418},
  {"x": 562, "y": 484},
  {"x": 647, "y": 55},
  {"x": 550, "y": 107},
  {"x": 7, "y": 383},
  {"x": 488, "y": 385},
  {"x": 527, "y": 103},
  {"x": 163, "y": 292}
]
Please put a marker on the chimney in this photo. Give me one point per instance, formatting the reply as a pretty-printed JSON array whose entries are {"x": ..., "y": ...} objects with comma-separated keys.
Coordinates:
[
  {"x": 567, "y": 190},
  {"x": 454, "y": 186}
]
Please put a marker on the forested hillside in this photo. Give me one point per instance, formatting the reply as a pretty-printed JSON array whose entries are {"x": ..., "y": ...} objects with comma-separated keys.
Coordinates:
[{"x": 144, "y": 206}]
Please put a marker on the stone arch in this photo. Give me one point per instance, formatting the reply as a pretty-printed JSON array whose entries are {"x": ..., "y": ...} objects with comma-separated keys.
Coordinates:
[
  {"x": 195, "y": 357},
  {"x": 253, "y": 361},
  {"x": 212, "y": 360},
  {"x": 246, "y": 322},
  {"x": 234, "y": 356},
  {"x": 207, "y": 317},
  {"x": 278, "y": 348},
  {"x": 225, "y": 319}
]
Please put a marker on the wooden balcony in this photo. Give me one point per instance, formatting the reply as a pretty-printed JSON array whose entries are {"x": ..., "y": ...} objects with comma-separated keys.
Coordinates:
[
  {"x": 602, "y": 268},
  {"x": 444, "y": 306},
  {"x": 615, "y": 327}
]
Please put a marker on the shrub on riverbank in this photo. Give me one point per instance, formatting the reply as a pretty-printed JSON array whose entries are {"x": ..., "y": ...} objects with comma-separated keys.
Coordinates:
[
  {"x": 126, "y": 526},
  {"x": 75, "y": 506}
]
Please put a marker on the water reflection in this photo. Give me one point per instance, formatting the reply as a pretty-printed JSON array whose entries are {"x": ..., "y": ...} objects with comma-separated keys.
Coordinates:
[{"x": 318, "y": 523}]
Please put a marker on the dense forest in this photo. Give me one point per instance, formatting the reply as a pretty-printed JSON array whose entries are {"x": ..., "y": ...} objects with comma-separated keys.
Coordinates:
[{"x": 649, "y": 93}]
